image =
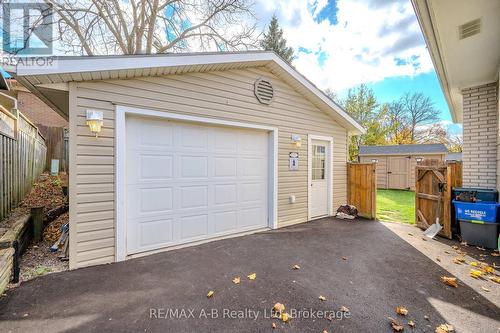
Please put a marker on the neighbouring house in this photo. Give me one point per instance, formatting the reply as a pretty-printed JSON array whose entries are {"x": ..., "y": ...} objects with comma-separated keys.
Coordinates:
[
  {"x": 396, "y": 163},
  {"x": 463, "y": 38},
  {"x": 193, "y": 147}
]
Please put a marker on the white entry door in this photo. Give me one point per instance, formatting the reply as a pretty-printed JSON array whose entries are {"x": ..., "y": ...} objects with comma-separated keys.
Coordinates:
[
  {"x": 319, "y": 178},
  {"x": 187, "y": 182}
]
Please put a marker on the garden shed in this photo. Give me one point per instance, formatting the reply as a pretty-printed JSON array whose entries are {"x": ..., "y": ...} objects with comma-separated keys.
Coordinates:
[{"x": 396, "y": 163}]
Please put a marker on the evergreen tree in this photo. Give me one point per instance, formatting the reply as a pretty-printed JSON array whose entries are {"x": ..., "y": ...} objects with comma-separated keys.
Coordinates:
[{"x": 273, "y": 41}]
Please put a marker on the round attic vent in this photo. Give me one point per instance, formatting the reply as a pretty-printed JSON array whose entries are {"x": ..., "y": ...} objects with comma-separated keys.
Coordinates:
[{"x": 264, "y": 91}]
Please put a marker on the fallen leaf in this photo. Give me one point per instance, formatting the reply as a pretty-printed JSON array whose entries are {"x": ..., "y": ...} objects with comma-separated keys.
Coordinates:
[
  {"x": 344, "y": 258},
  {"x": 25, "y": 315},
  {"x": 447, "y": 252},
  {"x": 495, "y": 254},
  {"x": 237, "y": 280},
  {"x": 410, "y": 234},
  {"x": 480, "y": 248},
  {"x": 445, "y": 328},
  {"x": 454, "y": 247},
  {"x": 485, "y": 289},
  {"x": 437, "y": 259},
  {"x": 285, "y": 317},
  {"x": 325, "y": 331},
  {"x": 459, "y": 260},
  {"x": 210, "y": 294},
  {"x": 278, "y": 307},
  {"x": 322, "y": 298},
  {"x": 475, "y": 273},
  {"x": 252, "y": 276},
  {"x": 396, "y": 325},
  {"x": 273, "y": 325},
  {"x": 426, "y": 317},
  {"x": 495, "y": 279},
  {"x": 464, "y": 244},
  {"x": 424, "y": 239},
  {"x": 344, "y": 309},
  {"x": 451, "y": 281},
  {"x": 401, "y": 310},
  {"x": 411, "y": 323},
  {"x": 295, "y": 267},
  {"x": 473, "y": 263}
]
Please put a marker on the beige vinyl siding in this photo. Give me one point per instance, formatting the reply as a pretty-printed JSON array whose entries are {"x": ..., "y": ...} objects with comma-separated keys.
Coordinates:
[{"x": 226, "y": 95}]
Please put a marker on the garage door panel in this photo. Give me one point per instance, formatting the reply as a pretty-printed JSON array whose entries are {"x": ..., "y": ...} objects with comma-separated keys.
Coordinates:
[
  {"x": 193, "y": 196},
  {"x": 201, "y": 182},
  {"x": 225, "y": 194},
  {"x": 156, "y": 232},
  {"x": 194, "y": 226}
]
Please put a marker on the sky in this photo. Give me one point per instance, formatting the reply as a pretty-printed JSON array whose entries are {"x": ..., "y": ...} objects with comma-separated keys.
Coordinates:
[{"x": 340, "y": 44}]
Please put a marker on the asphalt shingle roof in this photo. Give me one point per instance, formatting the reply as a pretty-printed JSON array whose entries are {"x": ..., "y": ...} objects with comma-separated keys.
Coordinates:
[{"x": 403, "y": 149}]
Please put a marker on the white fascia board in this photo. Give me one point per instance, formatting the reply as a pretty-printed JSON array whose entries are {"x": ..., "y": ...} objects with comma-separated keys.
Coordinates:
[{"x": 95, "y": 64}]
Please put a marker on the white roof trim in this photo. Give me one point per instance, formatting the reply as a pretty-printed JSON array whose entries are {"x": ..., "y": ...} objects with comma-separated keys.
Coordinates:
[{"x": 65, "y": 65}]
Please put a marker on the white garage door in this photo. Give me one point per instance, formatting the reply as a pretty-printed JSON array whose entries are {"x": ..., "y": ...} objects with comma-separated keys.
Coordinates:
[{"x": 189, "y": 182}]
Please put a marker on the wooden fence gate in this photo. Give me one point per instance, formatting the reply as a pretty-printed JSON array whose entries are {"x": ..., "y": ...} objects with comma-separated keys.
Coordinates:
[
  {"x": 434, "y": 181},
  {"x": 362, "y": 188}
]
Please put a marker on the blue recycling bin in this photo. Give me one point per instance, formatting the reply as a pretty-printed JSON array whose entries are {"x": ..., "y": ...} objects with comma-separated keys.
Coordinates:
[
  {"x": 478, "y": 222},
  {"x": 484, "y": 211}
]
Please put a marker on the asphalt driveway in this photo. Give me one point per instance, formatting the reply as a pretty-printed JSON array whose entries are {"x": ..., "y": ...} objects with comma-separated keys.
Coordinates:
[{"x": 380, "y": 271}]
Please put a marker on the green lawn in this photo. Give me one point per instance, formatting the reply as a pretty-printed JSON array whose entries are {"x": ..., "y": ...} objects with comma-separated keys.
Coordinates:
[{"x": 396, "y": 206}]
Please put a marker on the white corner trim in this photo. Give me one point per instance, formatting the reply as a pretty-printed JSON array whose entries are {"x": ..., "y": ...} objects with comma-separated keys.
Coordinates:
[
  {"x": 328, "y": 139},
  {"x": 120, "y": 167}
]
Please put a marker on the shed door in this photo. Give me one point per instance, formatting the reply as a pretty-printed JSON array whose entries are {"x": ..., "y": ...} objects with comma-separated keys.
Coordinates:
[
  {"x": 188, "y": 182},
  {"x": 398, "y": 172}
]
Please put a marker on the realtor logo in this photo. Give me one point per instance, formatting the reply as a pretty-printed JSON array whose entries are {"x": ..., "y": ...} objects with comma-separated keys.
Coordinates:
[{"x": 27, "y": 28}]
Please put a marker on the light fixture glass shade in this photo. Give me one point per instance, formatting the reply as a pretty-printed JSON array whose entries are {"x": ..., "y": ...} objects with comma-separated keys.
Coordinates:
[{"x": 94, "y": 121}]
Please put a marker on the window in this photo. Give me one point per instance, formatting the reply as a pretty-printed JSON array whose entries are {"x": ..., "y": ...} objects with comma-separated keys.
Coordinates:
[{"x": 318, "y": 162}]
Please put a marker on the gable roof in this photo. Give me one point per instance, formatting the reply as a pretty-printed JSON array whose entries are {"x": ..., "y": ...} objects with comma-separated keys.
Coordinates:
[
  {"x": 403, "y": 149},
  {"x": 50, "y": 82}
]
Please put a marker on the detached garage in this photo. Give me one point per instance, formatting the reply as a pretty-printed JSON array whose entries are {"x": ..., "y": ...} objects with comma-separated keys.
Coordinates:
[
  {"x": 174, "y": 150},
  {"x": 396, "y": 164}
]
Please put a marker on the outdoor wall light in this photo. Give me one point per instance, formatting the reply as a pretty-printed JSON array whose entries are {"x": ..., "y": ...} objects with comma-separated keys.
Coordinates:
[
  {"x": 94, "y": 121},
  {"x": 419, "y": 159},
  {"x": 374, "y": 160},
  {"x": 297, "y": 140}
]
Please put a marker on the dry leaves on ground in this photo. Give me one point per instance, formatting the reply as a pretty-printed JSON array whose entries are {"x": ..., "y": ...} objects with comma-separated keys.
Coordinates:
[
  {"x": 451, "y": 281},
  {"x": 495, "y": 279},
  {"x": 411, "y": 323},
  {"x": 322, "y": 298},
  {"x": 285, "y": 317},
  {"x": 210, "y": 294},
  {"x": 252, "y": 276},
  {"x": 278, "y": 307},
  {"x": 459, "y": 260},
  {"x": 237, "y": 280},
  {"x": 295, "y": 267},
  {"x": 344, "y": 309},
  {"x": 475, "y": 273},
  {"x": 445, "y": 328},
  {"x": 396, "y": 325},
  {"x": 401, "y": 310}
]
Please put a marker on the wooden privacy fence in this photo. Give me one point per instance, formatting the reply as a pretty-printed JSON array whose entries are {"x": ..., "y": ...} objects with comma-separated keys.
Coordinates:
[
  {"x": 434, "y": 181},
  {"x": 362, "y": 188},
  {"x": 56, "y": 141},
  {"x": 22, "y": 159}
]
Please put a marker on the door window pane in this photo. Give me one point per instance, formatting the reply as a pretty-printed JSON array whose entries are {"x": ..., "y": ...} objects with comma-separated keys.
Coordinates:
[{"x": 318, "y": 162}]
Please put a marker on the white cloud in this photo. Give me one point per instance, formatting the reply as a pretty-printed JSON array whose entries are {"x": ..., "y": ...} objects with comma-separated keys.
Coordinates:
[{"x": 372, "y": 40}]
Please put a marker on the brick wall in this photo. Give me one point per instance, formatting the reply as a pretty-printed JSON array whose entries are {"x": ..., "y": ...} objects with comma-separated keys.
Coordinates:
[
  {"x": 480, "y": 132},
  {"x": 38, "y": 112}
]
